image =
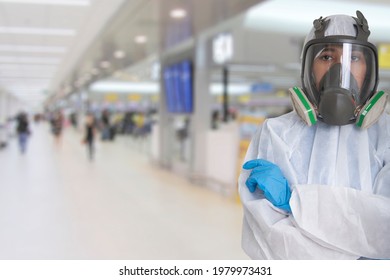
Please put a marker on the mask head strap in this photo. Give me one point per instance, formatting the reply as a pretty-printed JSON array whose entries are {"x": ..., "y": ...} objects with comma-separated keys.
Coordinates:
[
  {"x": 362, "y": 27},
  {"x": 320, "y": 25}
]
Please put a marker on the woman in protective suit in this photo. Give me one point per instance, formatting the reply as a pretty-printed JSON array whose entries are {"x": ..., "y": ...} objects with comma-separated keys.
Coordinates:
[{"x": 316, "y": 181}]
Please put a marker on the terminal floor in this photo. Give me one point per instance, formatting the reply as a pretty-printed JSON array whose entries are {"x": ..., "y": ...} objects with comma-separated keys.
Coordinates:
[{"x": 56, "y": 204}]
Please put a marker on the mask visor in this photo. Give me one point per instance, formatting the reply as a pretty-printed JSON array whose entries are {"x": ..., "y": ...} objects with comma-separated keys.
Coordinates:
[{"x": 348, "y": 67}]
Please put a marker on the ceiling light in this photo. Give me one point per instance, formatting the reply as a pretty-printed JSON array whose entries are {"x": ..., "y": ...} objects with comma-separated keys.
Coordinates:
[
  {"x": 178, "y": 13},
  {"x": 51, "y": 2},
  {"x": 140, "y": 39},
  {"x": 37, "y": 31},
  {"x": 119, "y": 54}
]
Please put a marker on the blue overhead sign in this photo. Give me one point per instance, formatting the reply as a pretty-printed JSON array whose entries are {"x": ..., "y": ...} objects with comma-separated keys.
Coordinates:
[{"x": 262, "y": 87}]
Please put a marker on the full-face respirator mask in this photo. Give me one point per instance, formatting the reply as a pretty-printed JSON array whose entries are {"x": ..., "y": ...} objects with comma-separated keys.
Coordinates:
[{"x": 339, "y": 74}]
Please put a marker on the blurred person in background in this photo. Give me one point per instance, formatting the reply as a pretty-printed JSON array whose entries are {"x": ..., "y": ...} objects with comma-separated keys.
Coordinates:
[
  {"x": 316, "y": 181},
  {"x": 23, "y": 131},
  {"x": 74, "y": 120},
  {"x": 128, "y": 123},
  {"x": 89, "y": 135},
  {"x": 106, "y": 125},
  {"x": 215, "y": 119},
  {"x": 57, "y": 125}
]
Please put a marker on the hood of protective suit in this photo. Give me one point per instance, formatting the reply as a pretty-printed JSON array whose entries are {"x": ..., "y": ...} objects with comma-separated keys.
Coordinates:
[{"x": 339, "y": 68}]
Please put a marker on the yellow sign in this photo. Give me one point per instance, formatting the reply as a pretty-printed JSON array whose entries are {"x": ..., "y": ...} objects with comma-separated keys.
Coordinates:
[
  {"x": 384, "y": 56},
  {"x": 247, "y": 119},
  {"x": 244, "y": 98},
  {"x": 134, "y": 97},
  {"x": 111, "y": 97}
]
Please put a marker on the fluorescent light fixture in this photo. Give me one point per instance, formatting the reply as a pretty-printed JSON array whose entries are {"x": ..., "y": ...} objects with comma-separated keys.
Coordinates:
[
  {"x": 140, "y": 39},
  {"x": 37, "y": 31},
  {"x": 178, "y": 13},
  {"x": 32, "y": 49},
  {"x": 51, "y": 2},
  {"x": 30, "y": 60},
  {"x": 234, "y": 89},
  {"x": 124, "y": 87}
]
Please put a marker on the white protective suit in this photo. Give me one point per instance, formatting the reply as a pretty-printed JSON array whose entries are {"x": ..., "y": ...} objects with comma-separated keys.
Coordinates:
[{"x": 340, "y": 181}]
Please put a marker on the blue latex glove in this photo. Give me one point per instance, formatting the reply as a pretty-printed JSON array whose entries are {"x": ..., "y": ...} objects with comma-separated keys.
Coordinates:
[{"x": 269, "y": 178}]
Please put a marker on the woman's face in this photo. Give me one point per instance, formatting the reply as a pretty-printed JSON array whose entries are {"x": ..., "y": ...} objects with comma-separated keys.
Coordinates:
[{"x": 351, "y": 59}]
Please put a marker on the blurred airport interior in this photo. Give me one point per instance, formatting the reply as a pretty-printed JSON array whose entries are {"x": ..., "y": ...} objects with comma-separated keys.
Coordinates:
[{"x": 172, "y": 91}]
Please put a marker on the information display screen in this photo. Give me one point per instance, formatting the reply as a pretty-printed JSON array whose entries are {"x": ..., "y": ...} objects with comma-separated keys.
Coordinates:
[{"x": 178, "y": 87}]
